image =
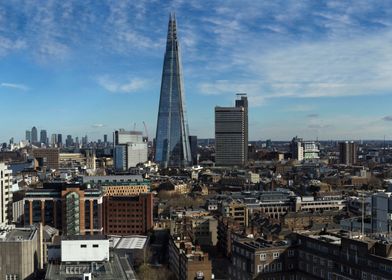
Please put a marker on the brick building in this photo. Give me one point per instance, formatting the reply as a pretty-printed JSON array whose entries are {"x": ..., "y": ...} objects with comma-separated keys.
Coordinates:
[{"x": 126, "y": 215}]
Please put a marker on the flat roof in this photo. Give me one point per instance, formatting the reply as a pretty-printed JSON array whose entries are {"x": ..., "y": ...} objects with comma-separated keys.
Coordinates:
[
  {"x": 129, "y": 242},
  {"x": 17, "y": 235}
]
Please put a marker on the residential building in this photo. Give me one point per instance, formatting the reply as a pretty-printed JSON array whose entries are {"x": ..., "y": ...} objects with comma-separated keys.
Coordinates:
[
  {"x": 5, "y": 194},
  {"x": 304, "y": 150},
  {"x": 253, "y": 258},
  {"x": 172, "y": 147},
  {"x": 231, "y": 134},
  {"x": 348, "y": 153},
  {"x": 235, "y": 209},
  {"x": 187, "y": 261}
]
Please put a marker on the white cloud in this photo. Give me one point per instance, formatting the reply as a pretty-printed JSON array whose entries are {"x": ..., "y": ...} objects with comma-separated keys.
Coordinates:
[
  {"x": 98, "y": 125},
  {"x": 14, "y": 86},
  {"x": 126, "y": 86}
]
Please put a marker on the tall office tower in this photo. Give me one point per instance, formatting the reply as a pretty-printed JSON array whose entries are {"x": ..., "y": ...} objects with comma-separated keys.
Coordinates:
[
  {"x": 69, "y": 141},
  {"x": 382, "y": 212},
  {"x": 172, "y": 141},
  {"x": 348, "y": 152},
  {"x": 129, "y": 149},
  {"x": 105, "y": 138},
  {"x": 231, "y": 133},
  {"x": 28, "y": 135},
  {"x": 54, "y": 140},
  {"x": 59, "y": 140},
  {"x": 34, "y": 135},
  {"x": 43, "y": 136},
  {"x": 5, "y": 193},
  {"x": 193, "y": 145}
]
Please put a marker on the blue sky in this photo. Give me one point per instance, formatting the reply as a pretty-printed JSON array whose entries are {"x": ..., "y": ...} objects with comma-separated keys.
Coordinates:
[{"x": 310, "y": 68}]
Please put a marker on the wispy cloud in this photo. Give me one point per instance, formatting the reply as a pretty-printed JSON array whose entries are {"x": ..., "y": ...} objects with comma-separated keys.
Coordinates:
[
  {"x": 14, "y": 86},
  {"x": 312, "y": 115},
  {"x": 129, "y": 85},
  {"x": 98, "y": 125}
]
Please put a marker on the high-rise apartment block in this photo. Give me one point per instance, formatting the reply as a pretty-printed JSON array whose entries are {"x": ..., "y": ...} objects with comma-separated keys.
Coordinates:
[
  {"x": 231, "y": 133},
  {"x": 348, "y": 152},
  {"x": 172, "y": 135},
  {"x": 5, "y": 193},
  {"x": 304, "y": 150}
]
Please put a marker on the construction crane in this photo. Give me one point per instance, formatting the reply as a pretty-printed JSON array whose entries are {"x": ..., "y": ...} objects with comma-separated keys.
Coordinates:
[{"x": 145, "y": 129}]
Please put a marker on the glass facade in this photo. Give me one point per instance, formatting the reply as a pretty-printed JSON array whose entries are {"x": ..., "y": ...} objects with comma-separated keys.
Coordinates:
[{"x": 172, "y": 136}]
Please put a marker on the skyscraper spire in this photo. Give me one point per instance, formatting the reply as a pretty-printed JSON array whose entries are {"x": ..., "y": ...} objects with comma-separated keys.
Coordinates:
[{"x": 172, "y": 136}]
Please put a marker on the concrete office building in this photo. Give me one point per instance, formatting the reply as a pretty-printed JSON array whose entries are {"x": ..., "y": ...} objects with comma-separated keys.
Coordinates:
[
  {"x": 231, "y": 134},
  {"x": 129, "y": 149},
  {"x": 20, "y": 253},
  {"x": 5, "y": 193},
  {"x": 382, "y": 212},
  {"x": 88, "y": 258},
  {"x": 348, "y": 152}
]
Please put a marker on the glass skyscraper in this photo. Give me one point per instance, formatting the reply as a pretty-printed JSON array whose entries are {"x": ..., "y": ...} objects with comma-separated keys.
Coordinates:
[{"x": 172, "y": 137}]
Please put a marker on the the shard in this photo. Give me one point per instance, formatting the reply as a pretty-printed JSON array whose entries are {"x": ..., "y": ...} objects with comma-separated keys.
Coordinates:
[{"x": 172, "y": 147}]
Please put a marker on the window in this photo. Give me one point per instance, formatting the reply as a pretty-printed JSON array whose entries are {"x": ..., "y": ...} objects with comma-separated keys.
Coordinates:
[
  {"x": 279, "y": 266},
  {"x": 364, "y": 276},
  {"x": 263, "y": 257},
  {"x": 275, "y": 255},
  {"x": 290, "y": 253},
  {"x": 95, "y": 245},
  {"x": 259, "y": 268},
  {"x": 83, "y": 246}
]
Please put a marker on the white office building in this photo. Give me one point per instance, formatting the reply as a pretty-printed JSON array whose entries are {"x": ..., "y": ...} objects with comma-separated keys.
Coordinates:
[{"x": 129, "y": 149}]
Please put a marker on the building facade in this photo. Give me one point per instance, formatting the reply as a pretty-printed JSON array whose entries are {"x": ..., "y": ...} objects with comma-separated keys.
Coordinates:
[
  {"x": 129, "y": 149},
  {"x": 231, "y": 134},
  {"x": 127, "y": 215},
  {"x": 348, "y": 152},
  {"x": 70, "y": 208},
  {"x": 172, "y": 136},
  {"x": 5, "y": 193}
]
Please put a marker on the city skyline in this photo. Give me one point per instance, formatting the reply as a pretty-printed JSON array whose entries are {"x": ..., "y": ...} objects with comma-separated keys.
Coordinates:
[{"x": 317, "y": 70}]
